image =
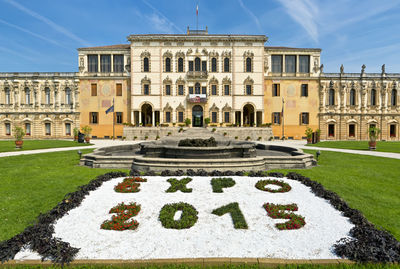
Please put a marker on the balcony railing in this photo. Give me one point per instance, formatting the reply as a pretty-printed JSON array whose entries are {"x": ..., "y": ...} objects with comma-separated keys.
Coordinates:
[
  {"x": 197, "y": 75},
  {"x": 197, "y": 98}
]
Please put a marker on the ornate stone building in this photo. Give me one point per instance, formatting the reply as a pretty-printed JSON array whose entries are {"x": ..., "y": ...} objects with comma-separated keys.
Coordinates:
[
  {"x": 45, "y": 104},
  {"x": 351, "y": 103}
]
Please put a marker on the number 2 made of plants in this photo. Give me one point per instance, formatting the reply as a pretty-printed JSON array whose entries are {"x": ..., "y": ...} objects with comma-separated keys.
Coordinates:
[{"x": 120, "y": 221}]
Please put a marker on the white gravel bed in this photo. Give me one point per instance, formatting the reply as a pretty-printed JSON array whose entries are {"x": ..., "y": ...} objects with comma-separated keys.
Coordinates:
[{"x": 211, "y": 236}]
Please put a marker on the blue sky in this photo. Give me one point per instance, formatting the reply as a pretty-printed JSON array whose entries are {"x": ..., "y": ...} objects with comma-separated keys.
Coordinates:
[{"x": 42, "y": 35}]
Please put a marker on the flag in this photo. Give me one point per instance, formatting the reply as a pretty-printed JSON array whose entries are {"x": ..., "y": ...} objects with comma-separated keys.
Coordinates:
[
  {"x": 197, "y": 9},
  {"x": 110, "y": 109}
]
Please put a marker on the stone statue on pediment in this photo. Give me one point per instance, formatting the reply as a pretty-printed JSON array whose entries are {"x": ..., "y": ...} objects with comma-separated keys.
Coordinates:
[
  {"x": 321, "y": 68},
  {"x": 342, "y": 69},
  {"x": 383, "y": 69},
  {"x": 363, "y": 68}
]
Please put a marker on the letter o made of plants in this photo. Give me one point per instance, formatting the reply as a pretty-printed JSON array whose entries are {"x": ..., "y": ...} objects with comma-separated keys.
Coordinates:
[
  {"x": 187, "y": 220},
  {"x": 262, "y": 185}
]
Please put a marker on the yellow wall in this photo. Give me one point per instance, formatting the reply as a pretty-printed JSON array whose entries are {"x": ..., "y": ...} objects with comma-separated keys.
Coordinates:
[
  {"x": 106, "y": 91},
  {"x": 290, "y": 90}
]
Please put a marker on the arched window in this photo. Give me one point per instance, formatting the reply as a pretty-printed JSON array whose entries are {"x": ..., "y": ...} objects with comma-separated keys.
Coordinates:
[
  {"x": 167, "y": 64},
  {"x": 226, "y": 64},
  {"x": 197, "y": 64},
  {"x": 8, "y": 99},
  {"x": 47, "y": 96},
  {"x": 331, "y": 97},
  {"x": 248, "y": 64},
  {"x": 180, "y": 65},
  {"x": 197, "y": 88},
  {"x": 214, "y": 64},
  {"x": 68, "y": 96},
  {"x": 394, "y": 98},
  {"x": 373, "y": 97},
  {"x": 27, "y": 96},
  {"x": 352, "y": 97},
  {"x": 146, "y": 67}
]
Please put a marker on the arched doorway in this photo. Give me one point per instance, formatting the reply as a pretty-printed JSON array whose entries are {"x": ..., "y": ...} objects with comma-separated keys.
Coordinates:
[
  {"x": 248, "y": 115},
  {"x": 147, "y": 112},
  {"x": 197, "y": 116}
]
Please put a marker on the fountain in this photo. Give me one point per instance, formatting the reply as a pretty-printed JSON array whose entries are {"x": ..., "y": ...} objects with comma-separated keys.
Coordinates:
[{"x": 198, "y": 149}]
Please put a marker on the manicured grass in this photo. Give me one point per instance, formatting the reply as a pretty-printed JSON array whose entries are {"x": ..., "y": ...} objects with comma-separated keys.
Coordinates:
[
  {"x": 369, "y": 184},
  {"x": 9, "y": 145},
  {"x": 31, "y": 184},
  {"x": 383, "y": 146}
]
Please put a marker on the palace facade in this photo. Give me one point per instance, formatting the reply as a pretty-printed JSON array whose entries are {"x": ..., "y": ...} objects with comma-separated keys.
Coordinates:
[{"x": 234, "y": 80}]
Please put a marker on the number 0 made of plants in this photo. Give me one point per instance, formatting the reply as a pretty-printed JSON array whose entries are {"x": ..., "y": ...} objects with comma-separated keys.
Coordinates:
[
  {"x": 262, "y": 185},
  {"x": 120, "y": 221},
  {"x": 187, "y": 220}
]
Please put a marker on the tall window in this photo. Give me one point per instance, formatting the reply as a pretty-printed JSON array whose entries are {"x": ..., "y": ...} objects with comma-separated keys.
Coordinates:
[
  {"x": 276, "y": 117},
  {"x": 214, "y": 64},
  {"x": 180, "y": 65},
  {"x": 290, "y": 63},
  {"x": 248, "y": 64},
  {"x": 203, "y": 90},
  {"x": 68, "y": 129},
  {"x": 373, "y": 97},
  {"x": 180, "y": 116},
  {"x": 105, "y": 63},
  {"x": 304, "y": 90},
  {"x": 94, "y": 90},
  {"x": 47, "y": 128},
  {"x": 392, "y": 131},
  {"x": 8, "y": 128},
  {"x": 94, "y": 117},
  {"x": 226, "y": 117},
  {"x": 213, "y": 117},
  {"x": 226, "y": 64},
  {"x": 213, "y": 89},
  {"x": 146, "y": 89},
  {"x": 352, "y": 130},
  {"x": 394, "y": 98},
  {"x": 167, "y": 64},
  {"x": 191, "y": 66},
  {"x": 118, "y": 117},
  {"x": 190, "y": 90},
  {"x": 197, "y": 88},
  {"x": 180, "y": 90},
  {"x": 93, "y": 63},
  {"x": 197, "y": 64},
  {"x": 331, "y": 130},
  {"x": 118, "y": 63},
  {"x": 204, "y": 66},
  {"x": 304, "y": 63},
  {"x": 248, "y": 90},
  {"x": 331, "y": 97},
  {"x": 226, "y": 89},
  {"x": 119, "y": 89},
  {"x": 47, "y": 96},
  {"x": 146, "y": 66},
  {"x": 276, "y": 63},
  {"x": 68, "y": 99},
  {"x": 168, "y": 89},
  {"x": 8, "y": 99},
  {"x": 168, "y": 116},
  {"x": 352, "y": 97},
  {"x": 27, "y": 96},
  {"x": 276, "y": 89},
  {"x": 305, "y": 116},
  {"x": 28, "y": 128}
]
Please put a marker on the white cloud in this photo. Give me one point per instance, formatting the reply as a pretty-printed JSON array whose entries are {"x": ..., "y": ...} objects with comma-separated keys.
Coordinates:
[
  {"x": 162, "y": 21},
  {"x": 10, "y": 51},
  {"x": 48, "y": 22},
  {"x": 251, "y": 14},
  {"x": 305, "y": 13}
]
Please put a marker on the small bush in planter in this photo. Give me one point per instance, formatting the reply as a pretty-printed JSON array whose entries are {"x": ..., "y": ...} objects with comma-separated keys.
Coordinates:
[
  {"x": 76, "y": 133},
  {"x": 145, "y": 138},
  {"x": 213, "y": 129},
  {"x": 86, "y": 130},
  {"x": 259, "y": 138},
  {"x": 19, "y": 134},
  {"x": 225, "y": 133},
  {"x": 207, "y": 121},
  {"x": 187, "y": 121},
  {"x": 135, "y": 137},
  {"x": 169, "y": 133},
  {"x": 248, "y": 138},
  {"x": 308, "y": 134},
  {"x": 236, "y": 137},
  {"x": 157, "y": 137},
  {"x": 180, "y": 130}
]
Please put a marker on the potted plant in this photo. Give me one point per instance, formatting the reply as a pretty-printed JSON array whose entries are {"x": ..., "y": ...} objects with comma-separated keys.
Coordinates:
[
  {"x": 19, "y": 134},
  {"x": 373, "y": 134},
  {"x": 309, "y": 135},
  {"x": 187, "y": 121},
  {"x": 318, "y": 131},
  {"x": 86, "y": 130},
  {"x": 207, "y": 121},
  {"x": 76, "y": 133}
]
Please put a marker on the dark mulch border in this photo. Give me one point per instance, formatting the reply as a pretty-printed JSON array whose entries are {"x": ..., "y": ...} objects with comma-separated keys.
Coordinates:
[
  {"x": 40, "y": 235},
  {"x": 367, "y": 245}
]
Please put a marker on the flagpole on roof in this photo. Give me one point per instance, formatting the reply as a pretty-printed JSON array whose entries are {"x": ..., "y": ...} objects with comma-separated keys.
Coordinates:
[{"x": 197, "y": 16}]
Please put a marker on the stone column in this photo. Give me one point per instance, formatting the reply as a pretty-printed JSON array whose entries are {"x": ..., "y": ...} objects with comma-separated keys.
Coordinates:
[
  {"x": 241, "y": 117},
  {"x": 132, "y": 121},
  {"x": 112, "y": 63},
  {"x": 152, "y": 118},
  {"x": 255, "y": 117},
  {"x": 140, "y": 117}
]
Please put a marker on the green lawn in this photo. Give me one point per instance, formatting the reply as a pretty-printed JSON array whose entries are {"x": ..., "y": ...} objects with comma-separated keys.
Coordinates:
[
  {"x": 383, "y": 146},
  {"x": 9, "y": 145},
  {"x": 30, "y": 184}
]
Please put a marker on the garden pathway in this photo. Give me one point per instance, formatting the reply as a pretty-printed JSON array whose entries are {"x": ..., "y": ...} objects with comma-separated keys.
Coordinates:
[{"x": 99, "y": 143}]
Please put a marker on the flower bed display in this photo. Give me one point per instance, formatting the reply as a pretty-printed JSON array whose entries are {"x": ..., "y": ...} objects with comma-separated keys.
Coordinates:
[
  {"x": 187, "y": 219},
  {"x": 219, "y": 183},
  {"x": 179, "y": 185},
  {"x": 284, "y": 187},
  {"x": 120, "y": 221},
  {"x": 278, "y": 212},
  {"x": 130, "y": 184}
]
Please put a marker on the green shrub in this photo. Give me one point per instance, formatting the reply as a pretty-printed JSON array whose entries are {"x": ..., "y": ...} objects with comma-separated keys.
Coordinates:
[{"x": 187, "y": 220}]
